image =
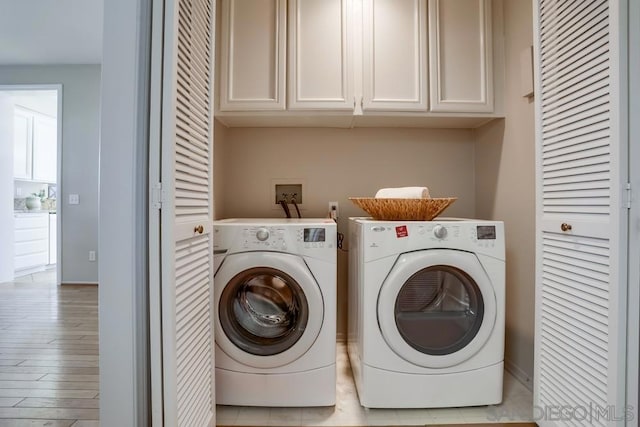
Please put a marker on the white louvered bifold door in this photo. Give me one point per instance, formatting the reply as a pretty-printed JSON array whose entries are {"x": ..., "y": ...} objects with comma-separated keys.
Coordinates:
[
  {"x": 186, "y": 214},
  {"x": 581, "y": 221}
]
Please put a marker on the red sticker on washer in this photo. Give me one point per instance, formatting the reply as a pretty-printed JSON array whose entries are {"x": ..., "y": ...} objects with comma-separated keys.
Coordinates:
[{"x": 402, "y": 231}]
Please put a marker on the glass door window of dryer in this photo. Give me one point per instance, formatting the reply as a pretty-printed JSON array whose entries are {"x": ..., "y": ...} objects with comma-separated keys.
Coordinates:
[
  {"x": 439, "y": 310},
  {"x": 263, "y": 311}
]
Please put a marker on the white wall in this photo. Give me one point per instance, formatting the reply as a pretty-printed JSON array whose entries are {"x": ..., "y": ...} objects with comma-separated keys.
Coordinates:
[
  {"x": 6, "y": 189},
  {"x": 123, "y": 316},
  {"x": 80, "y": 141},
  {"x": 505, "y": 190}
]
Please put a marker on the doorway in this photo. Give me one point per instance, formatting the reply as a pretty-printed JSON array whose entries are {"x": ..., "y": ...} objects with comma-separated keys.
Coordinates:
[{"x": 32, "y": 134}]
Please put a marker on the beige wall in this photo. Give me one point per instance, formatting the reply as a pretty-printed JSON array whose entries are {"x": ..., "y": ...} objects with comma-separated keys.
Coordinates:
[
  {"x": 336, "y": 164},
  {"x": 219, "y": 156},
  {"x": 505, "y": 189}
]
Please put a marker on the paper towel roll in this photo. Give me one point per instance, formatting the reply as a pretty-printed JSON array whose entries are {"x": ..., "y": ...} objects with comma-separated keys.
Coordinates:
[{"x": 403, "y": 193}]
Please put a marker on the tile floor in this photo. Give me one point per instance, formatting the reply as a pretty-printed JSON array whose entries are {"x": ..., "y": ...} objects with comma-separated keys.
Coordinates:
[{"x": 516, "y": 407}]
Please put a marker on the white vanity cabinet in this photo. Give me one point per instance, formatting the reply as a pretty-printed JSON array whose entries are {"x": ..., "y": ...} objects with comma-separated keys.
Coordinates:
[
  {"x": 31, "y": 239},
  {"x": 253, "y": 55},
  {"x": 394, "y": 66},
  {"x": 320, "y": 53},
  {"x": 460, "y": 56}
]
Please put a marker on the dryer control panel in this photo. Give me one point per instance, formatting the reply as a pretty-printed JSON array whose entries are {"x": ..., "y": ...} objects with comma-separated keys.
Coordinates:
[{"x": 383, "y": 238}]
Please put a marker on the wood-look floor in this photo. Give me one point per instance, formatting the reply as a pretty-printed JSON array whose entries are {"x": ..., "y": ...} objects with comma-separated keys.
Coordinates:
[{"x": 48, "y": 353}]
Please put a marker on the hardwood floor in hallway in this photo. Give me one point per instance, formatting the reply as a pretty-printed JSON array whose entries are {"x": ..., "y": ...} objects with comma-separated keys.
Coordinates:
[{"x": 48, "y": 353}]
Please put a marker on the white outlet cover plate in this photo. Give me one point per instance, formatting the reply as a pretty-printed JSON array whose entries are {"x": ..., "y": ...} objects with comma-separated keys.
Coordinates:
[{"x": 74, "y": 199}]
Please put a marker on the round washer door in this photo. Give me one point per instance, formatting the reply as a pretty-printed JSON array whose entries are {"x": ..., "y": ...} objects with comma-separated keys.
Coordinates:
[
  {"x": 436, "y": 308},
  {"x": 270, "y": 308}
]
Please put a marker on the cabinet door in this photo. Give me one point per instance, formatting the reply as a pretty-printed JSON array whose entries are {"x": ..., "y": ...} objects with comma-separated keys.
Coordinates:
[
  {"x": 319, "y": 52},
  {"x": 22, "y": 131},
  {"x": 394, "y": 55},
  {"x": 460, "y": 59},
  {"x": 31, "y": 240},
  {"x": 45, "y": 148},
  {"x": 53, "y": 238},
  {"x": 253, "y": 50}
]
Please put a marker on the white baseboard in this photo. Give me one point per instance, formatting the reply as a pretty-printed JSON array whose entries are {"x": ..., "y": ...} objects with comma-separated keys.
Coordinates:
[
  {"x": 519, "y": 374},
  {"x": 68, "y": 282},
  {"x": 27, "y": 271}
]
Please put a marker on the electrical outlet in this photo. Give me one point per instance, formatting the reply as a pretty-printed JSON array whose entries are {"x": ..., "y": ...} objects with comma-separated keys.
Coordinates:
[
  {"x": 74, "y": 199},
  {"x": 92, "y": 255},
  {"x": 333, "y": 210}
]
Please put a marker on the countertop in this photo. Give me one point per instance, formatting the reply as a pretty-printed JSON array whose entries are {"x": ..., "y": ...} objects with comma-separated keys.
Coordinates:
[{"x": 27, "y": 211}]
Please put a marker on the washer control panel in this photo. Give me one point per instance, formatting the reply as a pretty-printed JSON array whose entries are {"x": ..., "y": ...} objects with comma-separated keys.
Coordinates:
[
  {"x": 263, "y": 238},
  {"x": 285, "y": 239}
]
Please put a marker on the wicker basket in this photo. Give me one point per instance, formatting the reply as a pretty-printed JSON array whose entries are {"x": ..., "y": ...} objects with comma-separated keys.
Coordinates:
[{"x": 403, "y": 209}]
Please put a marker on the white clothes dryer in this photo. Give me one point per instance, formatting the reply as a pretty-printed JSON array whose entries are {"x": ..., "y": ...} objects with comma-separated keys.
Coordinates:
[
  {"x": 275, "y": 302},
  {"x": 426, "y": 312}
]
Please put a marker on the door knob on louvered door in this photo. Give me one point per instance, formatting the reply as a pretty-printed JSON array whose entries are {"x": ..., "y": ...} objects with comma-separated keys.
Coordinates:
[
  {"x": 565, "y": 227},
  {"x": 199, "y": 229}
]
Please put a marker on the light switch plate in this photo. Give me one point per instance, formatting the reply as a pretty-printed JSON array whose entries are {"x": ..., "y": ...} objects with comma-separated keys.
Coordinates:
[{"x": 74, "y": 199}]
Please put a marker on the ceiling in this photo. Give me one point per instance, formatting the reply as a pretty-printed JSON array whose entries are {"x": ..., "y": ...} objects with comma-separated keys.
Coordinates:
[{"x": 50, "y": 32}]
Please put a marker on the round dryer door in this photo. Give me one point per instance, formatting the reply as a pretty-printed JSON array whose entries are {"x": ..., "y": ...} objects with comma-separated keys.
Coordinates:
[
  {"x": 270, "y": 308},
  {"x": 437, "y": 308}
]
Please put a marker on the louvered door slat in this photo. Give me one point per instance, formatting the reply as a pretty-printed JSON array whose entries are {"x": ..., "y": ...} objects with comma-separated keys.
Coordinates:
[
  {"x": 558, "y": 259},
  {"x": 192, "y": 151},
  {"x": 187, "y": 214},
  {"x": 192, "y": 80},
  {"x": 559, "y": 372},
  {"x": 576, "y": 97},
  {"x": 572, "y": 27},
  {"x": 195, "y": 116},
  {"x": 592, "y": 54},
  {"x": 554, "y": 11},
  {"x": 595, "y": 135},
  {"x": 194, "y": 86},
  {"x": 183, "y": 137},
  {"x": 577, "y": 366},
  {"x": 576, "y": 335},
  {"x": 570, "y": 149},
  {"x": 569, "y": 108},
  {"x": 593, "y": 79}
]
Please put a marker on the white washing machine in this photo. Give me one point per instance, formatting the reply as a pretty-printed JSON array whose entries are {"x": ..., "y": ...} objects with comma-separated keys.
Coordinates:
[
  {"x": 426, "y": 312},
  {"x": 275, "y": 300}
]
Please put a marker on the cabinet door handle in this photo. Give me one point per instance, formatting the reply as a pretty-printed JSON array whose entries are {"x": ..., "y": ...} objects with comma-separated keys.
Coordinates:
[
  {"x": 565, "y": 227},
  {"x": 199, "y": 229}
]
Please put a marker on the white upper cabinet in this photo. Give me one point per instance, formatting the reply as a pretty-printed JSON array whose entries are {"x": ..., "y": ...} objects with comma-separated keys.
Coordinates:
[
  {"x": 253, "y": 55},
  {"x": 22, "y": 133},
  {"x": 349, "y": 63},
  {"x": 460, "y": 56},
  {"x": 394, "y": 65},
  {"x": 45, "y": 148},
  {"x": 320, "y": 75},
  {"x": 35, "y": 149}
]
